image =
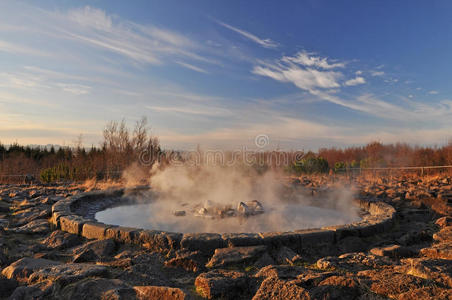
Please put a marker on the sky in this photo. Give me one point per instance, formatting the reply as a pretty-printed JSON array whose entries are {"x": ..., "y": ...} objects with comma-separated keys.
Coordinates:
[{"x": 307, "y": 74}]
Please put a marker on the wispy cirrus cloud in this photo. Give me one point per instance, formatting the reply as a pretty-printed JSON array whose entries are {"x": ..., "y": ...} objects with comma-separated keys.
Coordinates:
[
  {"x": 191, "y": 67},
  {"x": 266, "y": 43},
  {"x": 100, "y": 31},
  {"x": 325, "y": 79}
]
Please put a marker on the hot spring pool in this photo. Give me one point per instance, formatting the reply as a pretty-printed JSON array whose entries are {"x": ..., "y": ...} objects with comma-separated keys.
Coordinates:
[{"x": 159, "y": 216}]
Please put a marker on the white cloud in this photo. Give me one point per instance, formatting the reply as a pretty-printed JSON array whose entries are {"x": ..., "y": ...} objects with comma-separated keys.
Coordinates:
[
  {"x": 91, "y": 17},
  {"x": 355, "y": 81},
  {"x": 359, "y": 72},
  {"x": 194, "y": 110},
  {"x": 266, "y": 43},
  {"x": 20, "y": 49},
  {"x": 309, "y": 60},
  {"x": 306, "y": 79},
  {"x": 433, "y": 92},
  {"x": 377, "y": 73},
  {"x": 76, "y": 89},
  {"x": 306, "y": 71},
  {"x": 191, "y": 67}
]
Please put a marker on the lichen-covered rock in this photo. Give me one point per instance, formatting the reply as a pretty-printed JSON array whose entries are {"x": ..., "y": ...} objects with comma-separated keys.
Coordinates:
[
  {"x": 282, "y": 272},
  {"x": 235, "y": 255},
  {"x": 445, "y": 234},
  {"x": 189, "y": 260},
  {"x": 61, "y": 240},
  {"x": 221, "y": 283},
  {"x": 97, "y": 288},
  {"x": 159, "y": 292},
  {"x": 439, "y": 270},
  {"x": 394, "y": 251},
  {"x": 33, "y": 227},
  {"x": 102, "y": 248},
  {"x": 24, "y": 267},
  {"x": 444, "y": 221},
  {"x": 41, "y": 290},
  {"x": 274, "y": 288},
  {"x": 68, "y": 273}
]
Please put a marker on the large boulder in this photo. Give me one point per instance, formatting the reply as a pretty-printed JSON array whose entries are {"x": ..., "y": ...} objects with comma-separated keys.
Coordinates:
[
  {"x": 35, "y": 226},
  {"x": 41, "y": 290},
  {"x": 61, "y": 240},
  {"x": 102, "y": 248},
  {"x": 98, "y": 288},
  {"x": 24, "y": 267},
  {"x": 68, "y": 273}
]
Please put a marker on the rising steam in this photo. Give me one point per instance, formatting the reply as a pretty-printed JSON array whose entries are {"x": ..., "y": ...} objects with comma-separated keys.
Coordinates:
[{"x": 188, "y": 188}]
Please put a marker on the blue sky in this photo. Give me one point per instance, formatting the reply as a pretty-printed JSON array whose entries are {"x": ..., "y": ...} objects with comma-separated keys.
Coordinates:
[{"x": 308, "y": 74}]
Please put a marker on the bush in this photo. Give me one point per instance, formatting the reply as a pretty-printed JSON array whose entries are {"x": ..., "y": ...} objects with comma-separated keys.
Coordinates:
[
  {"x": 59, "y": 173},
  {"x": 339, "y": 167},
  {"x": 311, "y": 165}
]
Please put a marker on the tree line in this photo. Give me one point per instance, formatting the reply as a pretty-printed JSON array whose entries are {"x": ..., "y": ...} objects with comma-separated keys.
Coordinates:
[{"x": 123, "y": 146}]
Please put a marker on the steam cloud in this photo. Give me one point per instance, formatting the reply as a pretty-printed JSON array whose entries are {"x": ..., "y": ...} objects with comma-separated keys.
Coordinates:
[{"x": 182, "y": 187}]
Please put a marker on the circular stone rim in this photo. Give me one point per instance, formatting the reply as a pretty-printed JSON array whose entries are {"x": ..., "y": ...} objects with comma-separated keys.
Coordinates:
[{"x": 379, "y": 218}]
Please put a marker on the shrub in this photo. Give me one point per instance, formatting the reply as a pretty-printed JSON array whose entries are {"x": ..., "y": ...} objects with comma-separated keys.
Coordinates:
[
  {"x": 339, "y": 167},
  {"x": 311, "y": 165}
]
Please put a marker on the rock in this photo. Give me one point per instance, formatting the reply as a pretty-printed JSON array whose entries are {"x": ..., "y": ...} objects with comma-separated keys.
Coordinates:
[
  {"x": 85, "y": 256},
  {"x": 390, "y": 284},
  {"x": 146, "y": 269},
  {"x": 264, "y": 261},
  {"x": 393, "y": 251},
  {"x": 7, "y": 286},
  {"x": 159, "y": 292},
  {"x": 97, "y": 288},
  {"x": 41, "y": 290},
  {"x": 23, "y": 268},
  {"x": 94, "y": 230},
  {"x": 414, "y": 237},
  {"x": 243, "y": 209},
  {"x": 439, "y": 270},
  {"x": 102, "y": 248},
  {"x": 440, "y": 250},
  {"x": 337, "y": 287},
  {"x": 444, "y": 222},
  {"x": 353, "y": 262},
  {"x": 35, "y": 226},
  {"x": 255, "y": 207},
  {"x": 274, "y": 288},
  {"x": 68, "y": 273},
  {"x": 235, "y": 255},
  {"x": 179, "y": 213},
  {"x": 25, "y": 216},
  {"x": 281, "y": 272},
  {"x": 204, "y": 242},
  {"x": 286, "y": 255},
  {"x": 62, "y": 240},
  {"x": 445, "y": 234},
  {"x": 221, "y": 283},
  {"x": 189, "y": 260},
  {"x": 427, "y": 293}
]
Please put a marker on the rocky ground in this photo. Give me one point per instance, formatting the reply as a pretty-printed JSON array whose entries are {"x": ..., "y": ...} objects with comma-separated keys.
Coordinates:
[{"x": 410, "y": 261}]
